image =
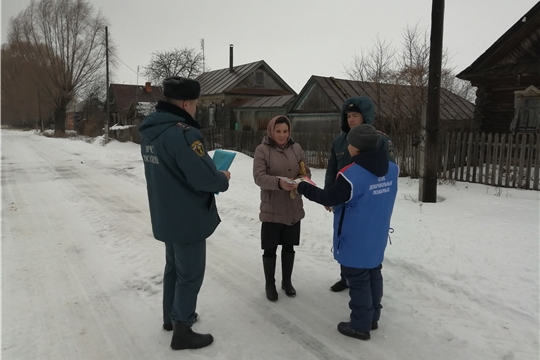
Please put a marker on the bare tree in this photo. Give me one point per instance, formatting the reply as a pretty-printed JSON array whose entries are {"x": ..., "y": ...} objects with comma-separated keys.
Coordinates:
[
  {"x": 65, "y": 38},
  {"x": 186, "y": 62},
  {"x": 21, "y": 92},
  {"x": 405, "y": 77},
  {"x": 376, "y": 64},
  {"x": 460, "y": 87}
]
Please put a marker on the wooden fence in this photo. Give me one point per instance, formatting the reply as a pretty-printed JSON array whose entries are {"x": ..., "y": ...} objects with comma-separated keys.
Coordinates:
[{"x": 504, "y": 160}]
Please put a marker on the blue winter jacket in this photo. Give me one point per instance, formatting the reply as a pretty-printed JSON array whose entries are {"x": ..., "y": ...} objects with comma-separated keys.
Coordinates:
[
  {"x": 181, "y": 178},
  {"x": 363, "y": 195},
  {"x": 339, "y": 155}
]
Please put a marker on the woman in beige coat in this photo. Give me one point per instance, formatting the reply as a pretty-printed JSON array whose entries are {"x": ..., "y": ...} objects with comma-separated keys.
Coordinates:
[{"x": 277, "y": 159}]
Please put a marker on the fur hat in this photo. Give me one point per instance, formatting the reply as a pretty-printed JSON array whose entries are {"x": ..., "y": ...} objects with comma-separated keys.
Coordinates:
[
  {"x": 180, "y": 88},
  {"x": 364, "y": 137}
]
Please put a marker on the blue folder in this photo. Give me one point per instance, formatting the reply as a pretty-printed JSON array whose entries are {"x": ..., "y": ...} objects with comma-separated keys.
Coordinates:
[{"x": 223, "y": 159}]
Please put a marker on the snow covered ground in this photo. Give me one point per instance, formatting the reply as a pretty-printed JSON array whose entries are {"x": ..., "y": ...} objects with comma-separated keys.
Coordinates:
[{"x": 81, "y": 272}]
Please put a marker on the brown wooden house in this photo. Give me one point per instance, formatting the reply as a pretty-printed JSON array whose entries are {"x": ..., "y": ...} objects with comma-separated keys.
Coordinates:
[
  {"x": 255, "y": 113},
  {"x": 74, "y": 113},
  {"x": 225, "y": 91},
  {"x": 318, "y": 106},
  {"x": 122, "y": 96},
  {"x": 504, "y": 74}
]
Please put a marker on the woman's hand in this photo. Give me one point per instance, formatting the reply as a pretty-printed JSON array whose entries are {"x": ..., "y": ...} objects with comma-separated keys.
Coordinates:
[{"x": 285, "y": 185}]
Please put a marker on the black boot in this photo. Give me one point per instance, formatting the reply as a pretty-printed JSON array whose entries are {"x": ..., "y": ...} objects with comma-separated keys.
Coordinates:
[
  {"x": 287, "y": 263},
  {"x": 269, "y": 265},
  {"x": 339, "y": 286},
  {"x": 346, "y": 329},
  {"x": 185, "y": 338},
  {"x": 169, "y": 326}
]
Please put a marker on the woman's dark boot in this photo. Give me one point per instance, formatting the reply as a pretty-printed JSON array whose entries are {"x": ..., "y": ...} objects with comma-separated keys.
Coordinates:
[
  {"x": 287, "y": 263},
  {"x": 269, "y": 265},
  {"x": 185, "y": 338}
]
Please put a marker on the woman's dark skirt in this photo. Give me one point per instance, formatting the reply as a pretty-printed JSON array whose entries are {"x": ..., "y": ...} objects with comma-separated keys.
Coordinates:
[{"x": 274, "y": 234}]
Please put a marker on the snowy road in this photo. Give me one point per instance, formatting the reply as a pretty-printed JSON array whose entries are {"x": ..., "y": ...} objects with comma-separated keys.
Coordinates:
[{"x": 81, "y": 275}]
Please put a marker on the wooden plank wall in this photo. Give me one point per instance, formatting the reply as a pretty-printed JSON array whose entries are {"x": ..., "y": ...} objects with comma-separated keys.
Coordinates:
[{"x": 502, "y": 160}]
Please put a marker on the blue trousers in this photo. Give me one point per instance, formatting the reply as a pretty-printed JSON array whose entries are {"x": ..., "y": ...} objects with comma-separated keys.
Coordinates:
[
  {"x": 182, "y": 280},
  {"x": 366, "y": 291}
]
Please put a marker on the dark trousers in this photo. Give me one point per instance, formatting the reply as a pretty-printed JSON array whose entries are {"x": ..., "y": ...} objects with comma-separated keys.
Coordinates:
[
  {"x": 182, "y": 280},
  {"x": 366, "y": 291},
  {"x": 343, "y": 280}
]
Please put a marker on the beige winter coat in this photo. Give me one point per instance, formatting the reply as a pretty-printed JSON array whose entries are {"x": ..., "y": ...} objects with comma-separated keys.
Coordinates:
[{"x": 269, "y": 162}]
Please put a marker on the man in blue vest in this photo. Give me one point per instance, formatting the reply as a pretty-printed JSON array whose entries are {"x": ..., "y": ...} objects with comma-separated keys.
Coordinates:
[
  {"x": 181, "y": 181},
  {"x": 354, "y": 111},
  {"x": 363, "y": 197}
]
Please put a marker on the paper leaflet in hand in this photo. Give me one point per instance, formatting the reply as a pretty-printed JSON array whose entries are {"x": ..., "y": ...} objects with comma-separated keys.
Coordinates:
[
  {"x": 223, "y": 159},
  {"x": 298, "y": 180}
]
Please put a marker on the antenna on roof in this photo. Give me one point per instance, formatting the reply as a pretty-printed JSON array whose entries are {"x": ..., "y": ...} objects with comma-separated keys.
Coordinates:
[
  {"x": 202, "y": 48},
  {"x": 231, "y": 69}
]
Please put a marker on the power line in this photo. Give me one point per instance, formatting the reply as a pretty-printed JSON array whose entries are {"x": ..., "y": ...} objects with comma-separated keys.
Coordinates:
[{"x": 116, "y": 56}]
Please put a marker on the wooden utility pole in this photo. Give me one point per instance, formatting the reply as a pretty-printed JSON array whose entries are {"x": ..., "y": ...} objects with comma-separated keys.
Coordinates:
[
  {"x": 39, "y": 111},
  {"x": 430, "y": 123},
  {"x": 107, "y": 80}
]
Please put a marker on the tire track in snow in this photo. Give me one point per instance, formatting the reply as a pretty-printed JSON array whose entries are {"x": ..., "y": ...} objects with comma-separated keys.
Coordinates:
[
  {"x": 94, "y": 307},
  {"x": 69, "y": 320}
]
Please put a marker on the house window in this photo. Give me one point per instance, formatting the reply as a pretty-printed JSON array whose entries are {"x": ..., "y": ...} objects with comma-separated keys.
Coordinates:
[
  {"x": 527, "y": 110},
  {"x": 259, "y": 79},
  {"x": 211, "y": 114}
]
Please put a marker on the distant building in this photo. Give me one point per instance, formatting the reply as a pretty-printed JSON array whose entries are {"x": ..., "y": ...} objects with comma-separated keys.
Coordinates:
[
  {"x": 240, "y": 96},
  {"x": 255, "y": 113},
  {"x": 74, "y": 113},
  {"x": 122, "y": 96},
  {"x": 507, "y": 76},
  {"x": 138, "y": 110},
  {"x": 318, "y": 106}
]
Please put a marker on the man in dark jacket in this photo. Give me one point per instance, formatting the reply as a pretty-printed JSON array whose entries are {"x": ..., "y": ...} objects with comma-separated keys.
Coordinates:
[
  {"x": 181, "y": 181},
  {"x": 355, "y": 111},
  {"x": 363, "y": 195}
]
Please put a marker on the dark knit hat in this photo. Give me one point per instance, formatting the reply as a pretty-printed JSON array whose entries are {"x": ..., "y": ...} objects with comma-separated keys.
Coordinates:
[
  {"x": 364, "y": 137},
  {"x": 180, "y": 88},
  {"x": 352, "y": 108}
]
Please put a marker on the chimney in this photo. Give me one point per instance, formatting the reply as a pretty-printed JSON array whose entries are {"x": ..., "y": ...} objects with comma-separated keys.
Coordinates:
[
  {"x": 231, "y": 58},
  {"x": 148, "y": 87}
]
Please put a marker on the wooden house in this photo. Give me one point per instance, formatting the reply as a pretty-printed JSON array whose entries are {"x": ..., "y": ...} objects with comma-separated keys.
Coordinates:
[
  {"x": 504, "y": 74},
  {"x": 122, "y": 96},
  {"x": 255, "y": 113},
  {"x": 74, "y": 113},
  {"x": 318, "y": 106},
  {"x": 230, "y": 92},
  {"x": 138, "y": 110}
]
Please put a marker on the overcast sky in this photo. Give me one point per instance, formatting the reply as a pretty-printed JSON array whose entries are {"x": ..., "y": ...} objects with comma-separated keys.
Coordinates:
[{"x": 297, "y": 38}]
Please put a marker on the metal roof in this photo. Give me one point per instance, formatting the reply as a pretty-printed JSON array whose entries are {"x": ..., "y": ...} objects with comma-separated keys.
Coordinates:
[
  {"x": 223, "y": 80},
  {"x": 452, "y": 106},
  {"x": 262, "y": 102},
  {"x": 124, "y": 94}
]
